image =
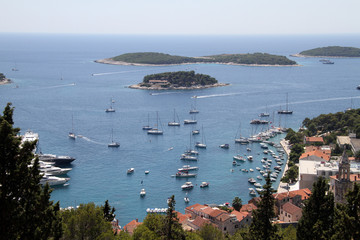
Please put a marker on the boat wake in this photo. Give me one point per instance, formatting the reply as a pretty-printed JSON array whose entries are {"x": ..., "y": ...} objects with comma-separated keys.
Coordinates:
[
  {"x": 317, "y": 100},
  {"x": 223, "y": 95},
  {"x": 110, "y": 73},
  {"x": 89, "y": 140},
  {"x": 59, "y": 86},
  {"x": 164, "y": 93}
]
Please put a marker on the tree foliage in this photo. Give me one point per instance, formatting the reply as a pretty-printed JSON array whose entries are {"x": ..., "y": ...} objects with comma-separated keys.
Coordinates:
[
  {"x": 26, "y": 211},
  {"x": 2, "y": 77},
  {"x": 161, "y": 58},
  {"x": 261, "y": 226},
  {"x": 209, "y": 232},
  {"x": 333, "y": 51},
  {"x": 182, "y": 78},
  {"x": 318, "y": 214},
  {"x": 237, "y": 203},
  {"x": 109, "y": 213},
  {"x": 85, "y": 222}
]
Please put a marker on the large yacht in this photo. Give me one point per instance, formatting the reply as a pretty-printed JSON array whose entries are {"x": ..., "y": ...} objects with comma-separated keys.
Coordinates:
[
  {"x": 58, "y": 160},
  {"x": 52, "y": 180}
]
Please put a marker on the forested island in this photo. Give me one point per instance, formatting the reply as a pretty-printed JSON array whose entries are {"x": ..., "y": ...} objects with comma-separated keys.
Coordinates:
[
  {"x": 331, "y": 51},
  {"x": 154, "y": 58},
  {"x": 177, "y": 80}
]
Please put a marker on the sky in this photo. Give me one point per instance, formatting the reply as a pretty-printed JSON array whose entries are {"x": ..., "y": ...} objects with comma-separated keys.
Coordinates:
[{"x": 195, "y": 17}]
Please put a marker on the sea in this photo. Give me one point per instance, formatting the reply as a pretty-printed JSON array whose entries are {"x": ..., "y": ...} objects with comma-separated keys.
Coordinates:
[{"x": 58, "y": 87}]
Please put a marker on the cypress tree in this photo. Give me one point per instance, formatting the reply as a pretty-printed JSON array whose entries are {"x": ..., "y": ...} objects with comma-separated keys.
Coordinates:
[
  {"x": 26, "y": 211},
  {"x": 261, "y": 226},
  {"x": 318, "y": 214}
]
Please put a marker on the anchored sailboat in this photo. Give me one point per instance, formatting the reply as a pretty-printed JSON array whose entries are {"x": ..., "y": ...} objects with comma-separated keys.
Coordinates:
[
  {"x": 113, "y": 144},
  {"x": 287, "y": 111},
  {"x": 155, "y": 130},
  {"x": 174, "y": 123},
  {"x": 72, "y": 134}
]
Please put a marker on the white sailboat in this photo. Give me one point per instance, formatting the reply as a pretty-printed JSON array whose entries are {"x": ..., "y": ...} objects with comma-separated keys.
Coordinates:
[
  {"x": 201, "y": 144},
  {"x": 110, "y": 109},
  {"x": 72, "y": 134},
  {"x": 174, "y": 123},
  {"x": 113, "y": 144},
  {"x": 147, "y": 127},
  {"x": 193, "y": 109},
  {"x": 155, "y": 130},
  {"x": 241, "y": 139}
]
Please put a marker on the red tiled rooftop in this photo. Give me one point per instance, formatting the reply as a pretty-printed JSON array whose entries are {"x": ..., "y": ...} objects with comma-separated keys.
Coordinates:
[
  {"x": 317, "y": 153},
  {"x": 130, "y": 227},
  {"x": 240, "y": 215},
  {"x": 291, "y": 208},
  {"x": 314, "y": 139},
  {"x": 248, "y": 207}
]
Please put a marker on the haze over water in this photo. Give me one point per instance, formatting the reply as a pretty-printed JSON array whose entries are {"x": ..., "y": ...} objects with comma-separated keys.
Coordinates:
[{"x": 45, "y": 104}]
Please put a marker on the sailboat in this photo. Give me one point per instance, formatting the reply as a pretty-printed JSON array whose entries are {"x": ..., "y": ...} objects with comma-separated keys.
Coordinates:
[
  {"x": 190, "y": 121},
  {"x": 201, "y": 144},
  {"x": 174, "y": 123},
  {"x": 241, "y": 139},
  {"x": 72, "y": 134},
  {"x": 265, "y": 114},
  {"x": 287, "y": 111},
  {"x": 113, "y": 144},
  {"x": 14, "y": 68},
  {"x": 190, "y": 154},
  {"x": 193, "y": 107},
  {"x": 155, "y": 130},
  {"x": 147, "y": 127},
  {"x": 111, "y": 109}
]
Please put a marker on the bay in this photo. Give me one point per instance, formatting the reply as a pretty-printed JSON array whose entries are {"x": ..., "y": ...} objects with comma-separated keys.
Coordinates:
[{"x": 58, "y": 79}]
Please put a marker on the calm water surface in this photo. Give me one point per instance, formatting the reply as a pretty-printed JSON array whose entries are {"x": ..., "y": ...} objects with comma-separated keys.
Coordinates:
[{"x": 58, "y": 79}]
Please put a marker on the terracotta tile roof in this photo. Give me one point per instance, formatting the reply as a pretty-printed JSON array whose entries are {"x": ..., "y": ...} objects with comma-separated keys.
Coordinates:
[
  {"x": 182, "y": 217},
  {"x": 304, "y": 193},
  {"x": 248, "y": 207},
  {"x": 324, "y": 149},
  {"x": 240, "y": 215},
  {"x": 314, "y": 139},
  {"x": 223, "y": 217},
  {"x": 217, "y": 212},
  {"x": 199, "y": 221},
  {"x": 291, "y": 208},
  {"x": 318, "y": 153},
  {"x": 130, "y": 227},
  {"x": 195, "y": 207}
]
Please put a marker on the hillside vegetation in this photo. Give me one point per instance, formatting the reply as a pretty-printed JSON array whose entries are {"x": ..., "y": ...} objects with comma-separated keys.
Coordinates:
[
  {"x": 333, "y": 51},
  {"x": 162, "y": 58}
]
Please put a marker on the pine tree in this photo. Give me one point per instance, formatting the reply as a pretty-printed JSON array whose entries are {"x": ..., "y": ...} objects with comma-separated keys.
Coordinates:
[
  {"x": 108, "y": 214},
  {"x": 261, "y": 226},
  {"x": 173, "y": 229},
  {"x": 26, "y": 211},
  {"x": 318, "y": 214}
]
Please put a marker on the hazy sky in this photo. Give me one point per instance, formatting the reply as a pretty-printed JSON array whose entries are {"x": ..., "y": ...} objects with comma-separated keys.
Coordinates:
[{"x": 181, "y": 16}]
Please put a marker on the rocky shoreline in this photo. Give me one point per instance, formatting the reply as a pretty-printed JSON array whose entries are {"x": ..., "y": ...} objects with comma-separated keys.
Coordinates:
[
  {"x": 137, "y": 86},
  {"x": 5, "y": 81},
  {"x": 110, "y": 61}
]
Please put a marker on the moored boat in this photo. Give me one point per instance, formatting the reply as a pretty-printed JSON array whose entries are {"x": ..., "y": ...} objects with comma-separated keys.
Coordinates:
[
  {"x": 204, "y": 184},
  {"x": 187, "y": 185}
]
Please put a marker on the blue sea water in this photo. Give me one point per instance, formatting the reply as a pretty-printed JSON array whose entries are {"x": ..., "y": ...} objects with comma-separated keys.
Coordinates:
[{"x": 58, "y": 79}]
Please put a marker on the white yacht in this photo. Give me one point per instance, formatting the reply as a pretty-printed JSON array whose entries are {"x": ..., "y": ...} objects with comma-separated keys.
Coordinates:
[
  {"x": 187, "y": 168},
  {"x": 188, "y": 157},
  {"x": 52, "y": 170},
  {"x": 238, "y": 157},
  {"x": 52, "y": 180},
  {"x": 130, "y": 170},
  {"x": 204, "y": 184},
  {"x": 142, "y": 192},
  {"x": 187, "y": 185},
  {"x": 190, "y": 121},
  {"x": 58, "y": 160}
]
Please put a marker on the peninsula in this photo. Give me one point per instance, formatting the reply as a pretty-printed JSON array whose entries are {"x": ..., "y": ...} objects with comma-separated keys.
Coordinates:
[
  {"x": 177, "y": 80},
  {"x": 3, "y": 79},
  {"x": 331, "y": 51},
  {"x": 161, "y": 59}
]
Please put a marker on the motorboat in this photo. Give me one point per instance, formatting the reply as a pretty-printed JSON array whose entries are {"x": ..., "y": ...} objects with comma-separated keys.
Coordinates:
[
  {"x": 200, "y": 145},
  {"x": 52, "y": 170},
  {"x": 186, "y": 199},
  {"x": 225, "y": 146},
  {"x": 251, "y": 170},
  {"x": 195, "y": 132},
  {"x": 257, "y": 168},
  {"x": 259, "y": 177},
  {"x": 190, "y": 121},
  {"x": 252, "y": 192},
  {"x": 142, "y": 192},
  {"x": 265, "y": 114},
  {"x": 248, "y": 149},
  {"x": 242, "y": 140},
  {"x": 147, "y": 172},
  {"x": 52, "y": 180},
  {"x": 204, "y": 184},
  {"x": 239, "y": 158},
  {"x": 110, "y": 109},
  {"x": 184, "y": 174},
  {"x": 187, "y": 185},
  {"x": 130, "y": 170},
  {"x": 250, "y": 158},
  {"x": 251, "y": 180},
  {"x": 257, "y": 184},
  {"x": 72, "y": 134},
  {"x": 259, "y": 121},
  {"x": 58, "y": 160},
  {"x": 188, "y": 157},
  {"x": 187, "y": 168}
]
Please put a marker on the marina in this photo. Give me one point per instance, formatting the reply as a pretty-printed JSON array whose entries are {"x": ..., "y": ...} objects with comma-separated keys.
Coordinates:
[{"x": 99, "y": 171}]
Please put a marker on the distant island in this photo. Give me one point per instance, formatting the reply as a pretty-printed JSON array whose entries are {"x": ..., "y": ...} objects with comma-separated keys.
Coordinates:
[
  {"x": 177, "y": 80},
  {"x": 160, "y": 59},
  {"x": 3, "y": 79},
  {"x": 331, "y": 51}
]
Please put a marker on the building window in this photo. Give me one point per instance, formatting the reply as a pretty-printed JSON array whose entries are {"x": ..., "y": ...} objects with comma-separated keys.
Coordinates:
[{"x": 224, "y": 228}]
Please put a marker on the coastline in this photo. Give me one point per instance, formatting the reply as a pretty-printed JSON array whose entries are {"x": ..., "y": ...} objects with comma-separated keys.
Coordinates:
[
  {"x": 137, "y": 86},
  {"x": 308, "y": 56},
  {"x": 283, "y": 187},
  {"x": 112, "y": 62},
  {"x": 5, "y": 81}
]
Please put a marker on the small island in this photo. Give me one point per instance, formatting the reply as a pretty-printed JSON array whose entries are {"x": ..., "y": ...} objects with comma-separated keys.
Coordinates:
[
  {"x": 161, "y": 59},
  {"x": 3, "y": 79},
  {"x": 331, "y": 51},
  {"x": 177, "y": 80}
]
